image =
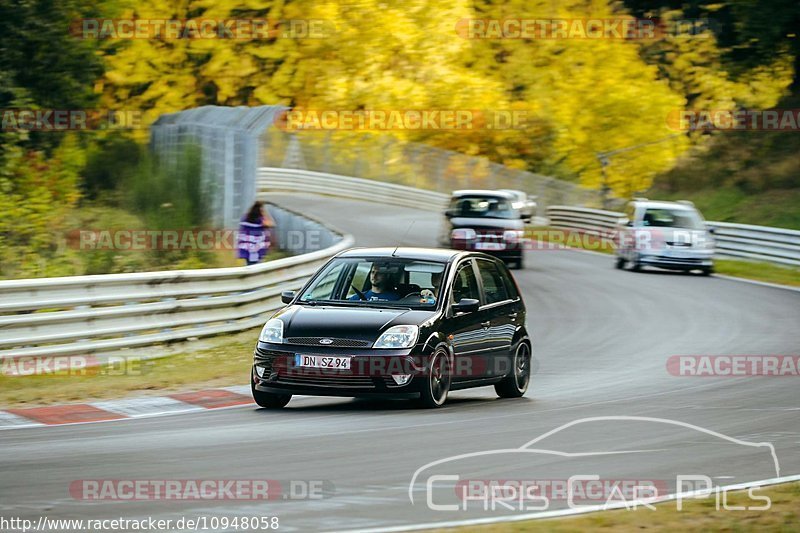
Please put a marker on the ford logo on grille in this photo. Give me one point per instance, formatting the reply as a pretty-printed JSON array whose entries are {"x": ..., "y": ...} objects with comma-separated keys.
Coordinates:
[{"x": 326, "y": 341}]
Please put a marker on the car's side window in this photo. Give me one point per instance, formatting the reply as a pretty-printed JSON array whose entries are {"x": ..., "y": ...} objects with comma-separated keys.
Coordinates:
[
  {"x": 511, "y": 287},
  {"x": 465, "y": 285},
  {"x": 493, "y": 284}
]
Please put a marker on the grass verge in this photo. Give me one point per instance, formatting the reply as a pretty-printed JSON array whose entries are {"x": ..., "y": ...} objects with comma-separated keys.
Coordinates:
[
  {"x": 697, "y": 515},
  {"x": 225, "y": 363}
]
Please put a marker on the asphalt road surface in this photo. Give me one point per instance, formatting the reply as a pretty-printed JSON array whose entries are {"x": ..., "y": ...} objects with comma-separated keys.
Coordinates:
[{"x": 601, "y": 338}]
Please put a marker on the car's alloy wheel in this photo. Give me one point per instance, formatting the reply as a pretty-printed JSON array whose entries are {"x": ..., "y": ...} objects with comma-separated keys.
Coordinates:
[
  {"x": 515, "y": 384},
  {"x": 435, "y": 392}
]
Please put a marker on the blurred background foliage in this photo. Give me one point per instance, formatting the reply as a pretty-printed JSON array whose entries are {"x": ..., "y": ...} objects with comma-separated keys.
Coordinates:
[{"x": 582, "y": 97}]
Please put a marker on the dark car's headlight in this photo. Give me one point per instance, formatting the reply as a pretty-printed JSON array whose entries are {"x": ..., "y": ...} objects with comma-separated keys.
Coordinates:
[
  {"x": 272, "y": 331},
  {"x": 398, "y": 337}
]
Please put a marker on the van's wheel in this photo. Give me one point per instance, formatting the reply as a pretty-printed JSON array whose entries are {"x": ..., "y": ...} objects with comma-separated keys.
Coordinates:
[
  {"x": 269, "y": 400},
  {"x": 438, "y": 380},
  {"x": 515, "y": 384}
]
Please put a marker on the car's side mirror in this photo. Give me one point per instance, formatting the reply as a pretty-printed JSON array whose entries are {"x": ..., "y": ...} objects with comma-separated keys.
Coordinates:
[
  {"x": 466, "y": 305},
  {"x": 287, "y": 296},
  {"x": 526, "y": 217},
  {"x": 712, "y": 230},
  {"x": 450, "y": 213},
  {"x": 624, "y": 221}
]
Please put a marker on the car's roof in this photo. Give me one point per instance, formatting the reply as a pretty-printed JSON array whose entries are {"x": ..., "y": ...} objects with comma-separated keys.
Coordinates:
[
  {"x": 482, "y": 192},
  {"x": 663, "y": 204},
  {"x": 423, "y": 254}
]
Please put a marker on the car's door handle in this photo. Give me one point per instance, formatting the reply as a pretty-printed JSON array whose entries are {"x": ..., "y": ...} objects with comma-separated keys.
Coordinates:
[{"x": 486, "y": 324}]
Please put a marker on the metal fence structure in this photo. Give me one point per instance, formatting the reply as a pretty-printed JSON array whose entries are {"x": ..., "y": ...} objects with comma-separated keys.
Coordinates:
[
  {"x": 737, "y": 241},
  {"x": 389, "y": 160},
  {"x": 104, "y": 313},
  {"x": 229, "y": 139},
  {"x": 236, "y": 141}
]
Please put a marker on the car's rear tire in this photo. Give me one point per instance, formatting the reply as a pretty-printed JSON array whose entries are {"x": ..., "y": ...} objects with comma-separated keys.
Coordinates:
[
  {"x": 515, "y": 384},
  {"x": 269, "y": 400},
  {"x": 619, "y": 264},
  {"x": 437, "y": 382}
]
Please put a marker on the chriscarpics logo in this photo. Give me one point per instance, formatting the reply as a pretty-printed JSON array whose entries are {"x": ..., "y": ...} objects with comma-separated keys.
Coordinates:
[{"x": 641, "y": 461}]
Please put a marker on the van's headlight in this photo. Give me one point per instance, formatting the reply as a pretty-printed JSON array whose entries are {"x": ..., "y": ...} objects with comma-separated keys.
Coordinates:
[
  {"x": 272, "y": 331},
  {"x": 398, "y": 337}
]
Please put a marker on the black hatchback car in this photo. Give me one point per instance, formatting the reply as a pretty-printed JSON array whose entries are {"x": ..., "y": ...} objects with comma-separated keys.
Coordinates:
[
  {"x": 398, "y": 322},
  {"x": 486, "y": 221}
]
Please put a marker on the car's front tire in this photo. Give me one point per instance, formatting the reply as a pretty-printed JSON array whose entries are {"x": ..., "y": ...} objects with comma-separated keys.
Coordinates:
[
  {"x": 437, "y": 381},
  {"x": 515, "y": 384},
  {"x": 269, "y": 400}
]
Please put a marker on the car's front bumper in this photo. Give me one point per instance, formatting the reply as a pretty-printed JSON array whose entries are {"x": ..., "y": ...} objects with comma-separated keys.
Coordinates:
[
  {"x": 370, "y": 373},
  {"x": 678, "y": 260}
]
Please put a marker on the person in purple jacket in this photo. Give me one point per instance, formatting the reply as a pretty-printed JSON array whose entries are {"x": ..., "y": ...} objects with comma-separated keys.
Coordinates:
[{"x": 253, "y": 240}]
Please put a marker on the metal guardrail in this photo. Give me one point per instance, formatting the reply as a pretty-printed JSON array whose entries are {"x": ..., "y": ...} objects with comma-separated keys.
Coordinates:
[
  {"x": 295, "y": 180},
  {"x": 85, "y": 314},
  {"x": 740, "y": 241}
]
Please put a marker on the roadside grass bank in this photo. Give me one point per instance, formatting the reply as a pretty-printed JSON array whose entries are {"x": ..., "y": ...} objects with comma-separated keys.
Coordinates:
[
  {"x": 225, "y": 362},
  {"x": 697, "y": 515}
]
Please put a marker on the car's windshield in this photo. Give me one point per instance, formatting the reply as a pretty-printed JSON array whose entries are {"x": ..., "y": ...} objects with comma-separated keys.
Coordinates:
[
  {"x": 483, "y": 207},
  {"x": 381, "y": 282},
  {"x": 672, "y": 218}
]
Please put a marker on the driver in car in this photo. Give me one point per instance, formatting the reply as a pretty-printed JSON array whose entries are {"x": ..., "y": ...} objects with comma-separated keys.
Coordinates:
[{"x": 382, "y": 288}]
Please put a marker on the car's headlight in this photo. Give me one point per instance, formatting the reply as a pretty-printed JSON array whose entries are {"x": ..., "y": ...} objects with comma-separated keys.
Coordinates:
[
  {"x": 398, "y": 337},
  {"x": 272, "y": 331}
]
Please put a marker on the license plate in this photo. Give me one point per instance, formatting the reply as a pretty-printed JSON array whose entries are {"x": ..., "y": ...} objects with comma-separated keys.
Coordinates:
[
  {"x": 490, "y": 246},
  {"x": 322, "y": 361}
]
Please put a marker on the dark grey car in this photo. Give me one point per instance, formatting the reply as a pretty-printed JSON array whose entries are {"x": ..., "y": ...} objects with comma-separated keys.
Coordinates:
[{"x": 486, "y": 221}]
